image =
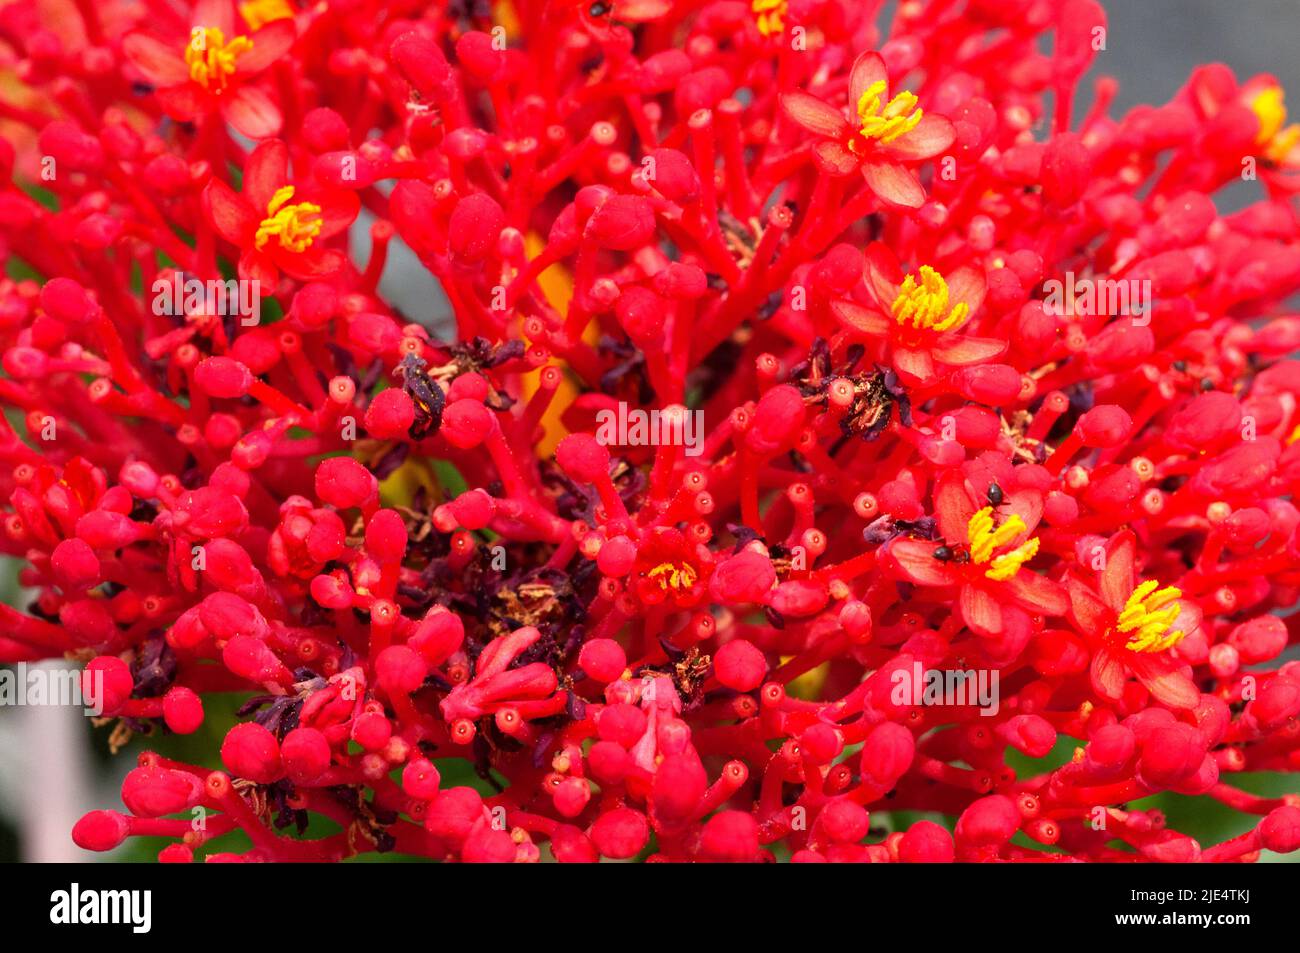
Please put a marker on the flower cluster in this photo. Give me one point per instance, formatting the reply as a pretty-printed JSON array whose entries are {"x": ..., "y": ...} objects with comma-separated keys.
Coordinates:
[{"x": 842, "y": 244}]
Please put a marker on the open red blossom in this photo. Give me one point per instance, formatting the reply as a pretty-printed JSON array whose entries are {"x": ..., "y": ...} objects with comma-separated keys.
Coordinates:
[
  {"x": 1135, "y": 629},
  {"x": 881, "y": 136},
  {"x": 277, "y": 225},
  {"x": 915, "y": 320},
  {"x": 213, "y": 69}
]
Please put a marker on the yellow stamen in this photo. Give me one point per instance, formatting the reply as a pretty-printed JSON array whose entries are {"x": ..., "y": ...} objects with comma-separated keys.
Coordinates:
[
  {"x": 925, "y": 304},
  {"x": 674, "y": 577},
  {"x": 1278, "y": 142},
  {"x": 986, "y": 539},
  {"x": 1147, "y": 617},
  {"x": 211, "y": 59},
  {"x": 258, "y": 13},
  {"x": 1008, "y": 564},
  {"x": 290, "y": 222},
  {"x": 770, "y": 15},
  {"x": 899, "y": 116}
]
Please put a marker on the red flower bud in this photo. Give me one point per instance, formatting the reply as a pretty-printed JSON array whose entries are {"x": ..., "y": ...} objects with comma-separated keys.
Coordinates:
[
  {"x": 602, "y": 659},
  {"x": 306, "y": 755},
  {"x": 620, "y": 833},
  {"x": 740, "y": 666},
  {"x": 250, "y": 751}
]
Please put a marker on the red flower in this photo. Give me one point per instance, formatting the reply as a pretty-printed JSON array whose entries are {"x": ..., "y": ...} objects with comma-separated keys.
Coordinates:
[
  {"x": 884, "y": 137},
  {"x": 917, "y": 317},
  {"x": 1134, "y": 628},
  {"x": 278, "y": 226},
  {"x": 210, "y": 71},
  {"x": 983, "y": 552}
]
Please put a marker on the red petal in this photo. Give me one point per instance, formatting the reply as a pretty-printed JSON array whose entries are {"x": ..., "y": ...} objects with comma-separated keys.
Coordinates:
[
  {"x": 953, "y": 507},
  {"x": 967, "y": 286},
  {"x": 1028, "y": 505},
  {"x": 315, "y": 262},
  {"x": 256, "y": 266},
  {"x": 183, "y": 103},
  {"x": 1088, "y": 613},
  {"x": 266, "y": 170},
  {"x": 932, "y": 135},
  {"x": 159, "y": 62},
  {"x": 867, "y": 69},
  {"x": 642, "y": 11},
  {"x": 1119, "y": 577},
  {"x": 959, "y": 351},
  {"x": 1107, "y": 674},
  {"x": 229, "y": 214},
  {"x": 981, "y": 611},
  {"x": 915, "y": 365},
  {"x": 1166, "y": 683},
  {"x": 1038, "y": 594},
  {"x": 912, "y": 560},
  {"x": 853, "y": 315},
  {"x": 338, "y": 209},
  {"x": 269, "y": 44},
  {"x": 883, "y": 273},
  {"x": 815, "y": 115},
  {"x": 217, "y": 13},
  {"x": 251, "y": 111},
  {"x": 893, "y": 183},
  {"x": 834, "y": 158}
]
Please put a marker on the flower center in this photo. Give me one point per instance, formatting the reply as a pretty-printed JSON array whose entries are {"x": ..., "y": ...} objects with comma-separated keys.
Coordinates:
[
  {"x": 986, "y": 539},
  {"x": 1270, "y": 106},
  {"x": 290, "y": 222},
  {"x": 258, "y": 13},
  {"x": 898, "y": 117},
  {"x": 1148, "y": 615},
  {"x": 672, "y": 576},
  {"x": 211, "y": 59},
  {"x": 769, "y": 14},
  {"x": 925, "y": 305}
]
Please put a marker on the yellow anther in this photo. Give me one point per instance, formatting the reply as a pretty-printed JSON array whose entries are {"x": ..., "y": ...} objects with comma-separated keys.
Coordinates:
[
  {"x": 1270, "y": 106},
  {"x": 296, "y": 225},
  {"x": 770, "y": 15},
  {"x": 986, "y": 538},
  {"x": 925, "y": 304},
  {"x": 1008, "y": 564},
  {"x": 258, "y": 13},
  {"x": 898, "y": 117},
  {"x": 1148, "y": 615},
  {"x": 211, "y": 59},
  {"x": 673, "y": 577}
]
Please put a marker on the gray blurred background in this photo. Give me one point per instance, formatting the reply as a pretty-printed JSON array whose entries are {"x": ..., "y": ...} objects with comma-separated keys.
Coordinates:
[{"x": 53, "y": 767}]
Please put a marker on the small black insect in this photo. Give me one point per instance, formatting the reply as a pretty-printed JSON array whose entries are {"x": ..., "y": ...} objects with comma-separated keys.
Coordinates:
[
  {"x": 599, "y": 9},
  {"x": 1180, "y": 366},
  {"x": 943, "y": 554},
  {"x": 425, "y": 393},
  {"x": 996, "y": 495}
]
